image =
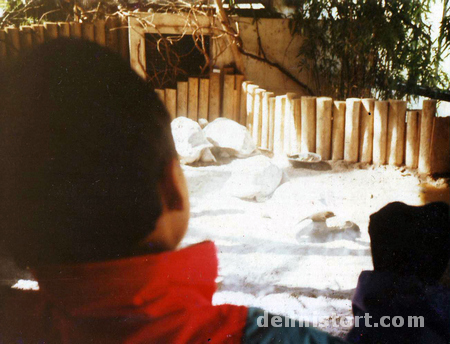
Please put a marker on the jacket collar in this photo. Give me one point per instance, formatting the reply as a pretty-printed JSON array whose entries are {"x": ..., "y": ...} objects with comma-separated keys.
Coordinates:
[{"x": 114, "y": 287}]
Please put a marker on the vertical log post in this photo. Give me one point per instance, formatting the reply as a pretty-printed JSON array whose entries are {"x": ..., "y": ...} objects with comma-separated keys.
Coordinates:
[
  {"x": 171, "y": 102},
  {"x": 64, "y": 29},
  {"x": 182, "y": 98},
  {"x": 308, "y": 110},
  {"x": 243, "y": 105},
  {"x": 426, "y": 128},
  {"x": 297, "y": 125},
  {"x": 338, "y": 134},
  {"x": 100, "y": 32},
  {"x": 352, "y": 116},
  {"x": 323, "y": 128},
  {"x": 214, "y": 96},
  {"x": 112, "y": 34},
  {"x": 88, "y": 31},
  {"x": 380, "y": 127},
  {"x": 237, "y": 97},
  {"x": 75, "y": 30},
  {"x": 250, "y": 104},
  {"x": 228, "y": 96},
  {"x": 366, "y": 134},
  {"x": 278, "y": 135},
  {"x": 396, "y": 132},
  {"x": 3, "y": 51},
  {"x": 412, "y": 139},
  {"x": 271, "y": 121},
  {"x": 290, "y": 135},
  {"x": 265, "y": 119},
  {"x": 26, "y": 38},
  {"x": 203, "y": 99},
  {"x": 193, "y": 98},
  {"x": 51, "y": 31},
  {"x": 12, "y": 41},
  {"x": 123, "y": 39},
  {"x": 257, "y": 115},
  {"x": 161, "y": 95}
]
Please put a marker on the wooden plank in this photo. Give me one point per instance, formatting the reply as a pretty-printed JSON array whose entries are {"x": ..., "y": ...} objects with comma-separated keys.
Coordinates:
[
  {"x": 366, "y": 134},
  {"x": 228, "y": 96},
  {"x": 243, "y": 105},
  {"x": 171, "y": 102},
  {"x": 100, "y": 32},
  {"x": 137, "y": 49},
  {"x": 338, "y": 134},
  {"x": 250, "y": 105},
  {"x": 265, "y": 119},
  {"x": 161, "y": 95},
  {"x": 426, "y": 128},
  {"x": 193, "y": 98},
  {"x": 298, "y": 124},
  {"x": 3, "y": 50},
  {"x": 112, "y": 34},
  {"x": 182, "y": 98},
  {"x": 323, "y": 127},
  {"x": 51, "y": 31},
  {"x": 123, "y": 39},
  {"x": 214, "y": 96},
  {"x": 440, "y": 145},
  {"x": 352, "y": 116},
  {"x": 380, "y": 124},
  {"x": 237, "y": 97},
  {"x": 64, "y": 29},
  {"x": 257, "y": 116},
  {"x": 203, "y": 98},
  {"x": 272, "y": 101},
  {"x": 412, "y": 139},
  {"x": 12, "y": 41},
  {"x": 26, "y": 37},
  {"x": 278, "y": 135},
  {"x": 308, "y": 126},
  {"x": 75, "y": 30},
  {"x": 88, "y": 31},
  {"x": 396, "y": 132},
  {"x": 290, "y": 137},
  {"x": 38, "y": 34}
]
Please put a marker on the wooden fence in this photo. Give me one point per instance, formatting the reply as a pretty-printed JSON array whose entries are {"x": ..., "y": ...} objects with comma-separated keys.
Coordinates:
[
  {"x": 354, "y": 130},
  {"x": 112, "y": 33}
]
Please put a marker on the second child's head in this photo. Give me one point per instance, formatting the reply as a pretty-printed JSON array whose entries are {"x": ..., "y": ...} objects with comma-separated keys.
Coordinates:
[
  {"x": 89, "y": 170},
  {"x": 410, "y": 240}
]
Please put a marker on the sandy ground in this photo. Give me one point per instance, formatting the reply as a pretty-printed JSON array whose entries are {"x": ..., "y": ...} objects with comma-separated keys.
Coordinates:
[{"x": 261, "y": 262}]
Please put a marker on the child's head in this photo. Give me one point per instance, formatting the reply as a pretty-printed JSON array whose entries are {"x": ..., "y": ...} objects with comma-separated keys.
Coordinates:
[
  {"x": 89, "y": 169},
  {"x": 411, "y": 240}
]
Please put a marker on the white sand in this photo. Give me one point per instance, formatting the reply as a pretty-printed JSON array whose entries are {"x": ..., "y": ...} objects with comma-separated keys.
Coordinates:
[{"x": 261, "y": 262}]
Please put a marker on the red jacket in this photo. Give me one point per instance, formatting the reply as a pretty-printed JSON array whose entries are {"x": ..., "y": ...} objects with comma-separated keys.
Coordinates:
[{"x": 158, "y": 298}]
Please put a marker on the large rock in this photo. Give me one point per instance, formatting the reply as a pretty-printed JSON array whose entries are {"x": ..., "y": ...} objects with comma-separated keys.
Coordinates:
[
  {"x": 190, "y": 141},
  {"x": 230, "y": 136},
  {"x": 253, "y": 178}
]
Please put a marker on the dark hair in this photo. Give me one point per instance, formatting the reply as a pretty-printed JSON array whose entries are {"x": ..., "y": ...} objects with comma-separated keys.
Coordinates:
[
  {"x": 83, "y": 145},
  {"x": 411, "y": 240}
]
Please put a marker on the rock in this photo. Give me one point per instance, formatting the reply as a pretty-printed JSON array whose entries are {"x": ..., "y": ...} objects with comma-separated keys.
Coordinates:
[
  {"x": 253, "y": 178},
  {"x": 203, "y": 122},
  {"x": 325, "y": 227},
  {"x": 231, "y": 136},
  {"x": 190, "y": 141}
]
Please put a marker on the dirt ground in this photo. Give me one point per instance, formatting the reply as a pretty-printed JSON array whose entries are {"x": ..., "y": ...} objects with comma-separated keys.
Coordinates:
[{"x": 261, "y": 262}]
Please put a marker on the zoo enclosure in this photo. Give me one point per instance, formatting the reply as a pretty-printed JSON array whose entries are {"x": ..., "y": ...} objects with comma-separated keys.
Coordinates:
[{"x": 354, "y": 130}]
